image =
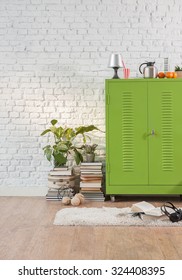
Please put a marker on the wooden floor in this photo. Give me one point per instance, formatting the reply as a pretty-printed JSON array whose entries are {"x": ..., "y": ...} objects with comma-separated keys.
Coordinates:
[{"x": 27, "y": 232}]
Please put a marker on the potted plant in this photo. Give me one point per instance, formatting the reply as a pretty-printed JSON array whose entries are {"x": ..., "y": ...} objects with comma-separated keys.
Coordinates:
[
  {"x": 89, "y": 152},
  {"x": 178, "y": 70},
  {"x": 64, "y": 143}
]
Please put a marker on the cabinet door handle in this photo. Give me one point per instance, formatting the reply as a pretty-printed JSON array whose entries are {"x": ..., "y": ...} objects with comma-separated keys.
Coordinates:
[{"x": 152, "y": 133}]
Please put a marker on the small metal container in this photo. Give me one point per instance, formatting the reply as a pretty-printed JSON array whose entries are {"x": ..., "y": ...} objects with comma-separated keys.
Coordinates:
[{"x": 149, "y": 71}]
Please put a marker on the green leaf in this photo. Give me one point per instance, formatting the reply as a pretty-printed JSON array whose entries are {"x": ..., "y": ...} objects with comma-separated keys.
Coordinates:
[
  {"x": 62, "y": 147},
  {"x": 48, "y": 153},
  {"x": 53, "y": 122},
  {"x": 45, "y": 131},
  {"x": 46, "y": 147},
  {"x": 60, "y": 159},
  {"x": 69, "y": 133},
  {"x": 78, "y": 157},
  {"x": 59, "y": 131},
  {"x": 178, "y": 68},
  {"x": 83, "y": 129},
  {"x": 53, "y": 129}
]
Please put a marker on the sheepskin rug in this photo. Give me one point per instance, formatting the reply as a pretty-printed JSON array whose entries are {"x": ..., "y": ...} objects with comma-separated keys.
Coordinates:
[{"x": 107, "y": 216}]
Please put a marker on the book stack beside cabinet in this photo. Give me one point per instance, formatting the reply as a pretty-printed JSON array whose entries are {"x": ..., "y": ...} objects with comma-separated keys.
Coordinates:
[
  {"x": 61, "y": 182},
  {"x": 91, "y": 181}
]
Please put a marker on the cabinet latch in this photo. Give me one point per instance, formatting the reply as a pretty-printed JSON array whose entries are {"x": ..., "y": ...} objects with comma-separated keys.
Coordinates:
[{"x": 152, "y": 133}]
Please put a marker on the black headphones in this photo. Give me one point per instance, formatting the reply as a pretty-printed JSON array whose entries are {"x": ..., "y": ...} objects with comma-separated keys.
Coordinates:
[{"x": 174, "y": 217}]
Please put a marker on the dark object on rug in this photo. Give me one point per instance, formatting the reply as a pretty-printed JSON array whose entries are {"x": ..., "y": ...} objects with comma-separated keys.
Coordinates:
[
  {"x": 138, "y": 214},
  {"x": 175, "y": 216}
]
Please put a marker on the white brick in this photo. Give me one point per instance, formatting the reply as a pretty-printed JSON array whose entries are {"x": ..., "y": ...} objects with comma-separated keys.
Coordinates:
[
  {"x": 19, "y": 133},
  {"x": 5, "y": 162},
  {"x": 3, "y": 168},
  {"x": 3, "y": 150},
  {"x": 13, "y": 175},
  {"x": 53, "y": 63}
]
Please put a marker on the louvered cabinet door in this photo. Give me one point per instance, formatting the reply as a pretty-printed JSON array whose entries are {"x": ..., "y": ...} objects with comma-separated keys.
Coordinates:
[
  {"x": 126, "y": 126},
  {"x": 165, "y": 133}
]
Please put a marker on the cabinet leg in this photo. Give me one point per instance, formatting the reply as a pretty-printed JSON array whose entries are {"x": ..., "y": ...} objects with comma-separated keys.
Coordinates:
[{"x": 112, "y": 197}]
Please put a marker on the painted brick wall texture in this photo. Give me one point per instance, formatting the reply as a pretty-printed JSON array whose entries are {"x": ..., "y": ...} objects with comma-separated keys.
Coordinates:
[{"x": 53, "y": 64}]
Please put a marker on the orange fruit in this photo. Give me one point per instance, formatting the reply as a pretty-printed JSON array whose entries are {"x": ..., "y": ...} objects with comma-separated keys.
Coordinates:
[
  {"x": 161, "y": 75},
  {"x": 175, "y": 75},
  {"x": 169, "y": 75}
]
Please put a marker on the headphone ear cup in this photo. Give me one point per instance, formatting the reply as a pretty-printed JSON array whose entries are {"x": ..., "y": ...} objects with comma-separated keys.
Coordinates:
[
  {"x": 179, "y": 215},
  {"x": 173, "y": 218},
  {"x": 176, "y": 216}
]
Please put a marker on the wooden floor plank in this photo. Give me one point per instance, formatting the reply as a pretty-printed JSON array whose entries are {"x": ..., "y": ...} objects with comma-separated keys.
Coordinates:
[{"x": 27, "y": 232}]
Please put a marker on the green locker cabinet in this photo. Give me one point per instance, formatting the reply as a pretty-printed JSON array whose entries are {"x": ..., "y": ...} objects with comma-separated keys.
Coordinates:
[{"x": 143, "y": 136}]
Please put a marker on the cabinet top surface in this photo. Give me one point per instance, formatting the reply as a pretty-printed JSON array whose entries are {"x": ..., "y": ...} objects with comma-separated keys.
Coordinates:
[{"x": 144, "y": 80}]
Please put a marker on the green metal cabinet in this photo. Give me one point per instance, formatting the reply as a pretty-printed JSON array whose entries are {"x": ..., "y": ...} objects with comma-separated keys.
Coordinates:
[{"x": 144, "y": 136}]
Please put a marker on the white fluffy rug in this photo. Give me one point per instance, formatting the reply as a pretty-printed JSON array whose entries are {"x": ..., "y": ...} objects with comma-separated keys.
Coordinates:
[{"x": 106, "y": 216}]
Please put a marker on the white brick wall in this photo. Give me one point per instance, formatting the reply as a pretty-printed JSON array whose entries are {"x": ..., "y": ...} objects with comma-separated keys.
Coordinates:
[{"x": 53, "y": 63}]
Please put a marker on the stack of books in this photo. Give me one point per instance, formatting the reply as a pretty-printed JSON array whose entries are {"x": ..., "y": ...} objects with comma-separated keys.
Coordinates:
[
  {"x": 61, "y": 182},
  {"x": 91, "y": 181}
]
